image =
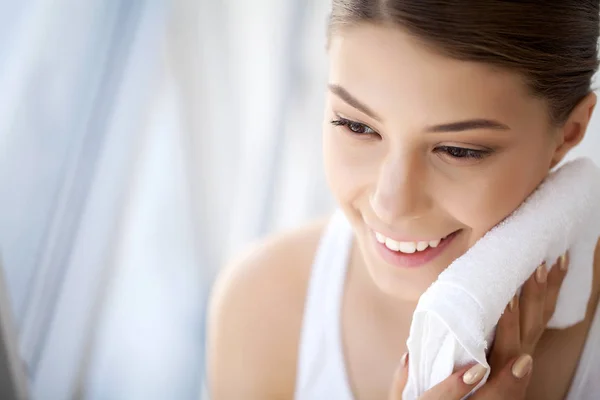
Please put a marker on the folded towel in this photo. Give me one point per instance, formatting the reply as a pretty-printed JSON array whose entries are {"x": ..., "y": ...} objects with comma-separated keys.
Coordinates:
[{"x": 455, "y": 319}]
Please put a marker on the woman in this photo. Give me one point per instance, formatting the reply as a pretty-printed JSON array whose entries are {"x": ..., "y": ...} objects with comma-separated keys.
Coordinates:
[{"x": 441, "y": 118}]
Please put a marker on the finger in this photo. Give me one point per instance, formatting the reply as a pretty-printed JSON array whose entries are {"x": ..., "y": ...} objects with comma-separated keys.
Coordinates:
[
  {"x": 507, "y": 343},
  {"x": 531, "y": 307},
  {"x": 555, "y": 279},
  {"x": 457, "y": 385},
  {"x": 511, "y": 383},
  {"x": 399, "y": 379}
]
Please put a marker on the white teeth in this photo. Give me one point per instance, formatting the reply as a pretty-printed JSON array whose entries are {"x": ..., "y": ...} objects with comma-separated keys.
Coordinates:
[
  {"x": 392, "y": 244},
  {"x": 422, "y": 246},
  {"x": 406, "y": 247}
]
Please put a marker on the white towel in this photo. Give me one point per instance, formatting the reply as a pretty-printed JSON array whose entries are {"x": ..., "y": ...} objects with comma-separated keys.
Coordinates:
[{"x": 455, "y": 319}]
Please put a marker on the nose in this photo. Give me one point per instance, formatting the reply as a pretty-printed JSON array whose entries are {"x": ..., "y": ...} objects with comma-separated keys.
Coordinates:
[{"x": 401, "y": 192}]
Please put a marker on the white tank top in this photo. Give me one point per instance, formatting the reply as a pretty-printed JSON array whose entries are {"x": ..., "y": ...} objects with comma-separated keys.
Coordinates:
[{"x": 321, "y": 372}]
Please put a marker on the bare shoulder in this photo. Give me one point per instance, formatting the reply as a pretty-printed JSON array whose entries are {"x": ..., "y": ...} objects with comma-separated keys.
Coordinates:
[{"x": 255, "y": 316}]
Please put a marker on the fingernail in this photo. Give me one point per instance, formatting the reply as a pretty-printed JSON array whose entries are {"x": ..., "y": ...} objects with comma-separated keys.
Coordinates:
[
  {"x": 474, "y": 374},
  {"x": 562, "y": 262},
  {"x": 541, "y": 273},
  {"x": 522, "y": 366},
  {"x": 404, "y": 360},
  {"x": 513, "y": 303}
]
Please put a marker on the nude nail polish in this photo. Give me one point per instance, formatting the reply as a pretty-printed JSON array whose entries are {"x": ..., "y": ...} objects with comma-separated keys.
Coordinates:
[
  {"x": 522, "y": 366},
  {"x": 562, "y": 262},
  {"x": 513, "y": 303},
  {"x": 474, "y": 374},
  {"x": 541, "y": 273}
]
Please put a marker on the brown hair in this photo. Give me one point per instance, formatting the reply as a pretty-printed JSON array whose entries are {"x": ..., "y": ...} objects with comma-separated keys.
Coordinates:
[{"x": 551, "y": 43}]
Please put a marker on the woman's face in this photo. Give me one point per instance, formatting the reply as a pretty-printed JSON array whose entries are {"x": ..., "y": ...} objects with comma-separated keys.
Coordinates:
[{"x": 419, "y": 147}]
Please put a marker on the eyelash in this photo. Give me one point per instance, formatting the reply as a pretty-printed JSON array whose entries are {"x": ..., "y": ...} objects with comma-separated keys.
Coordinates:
[
  {"x": 463, "y": 153},
  {"x": 459, "y": 153},
  {"x": 346, "y": 123}
]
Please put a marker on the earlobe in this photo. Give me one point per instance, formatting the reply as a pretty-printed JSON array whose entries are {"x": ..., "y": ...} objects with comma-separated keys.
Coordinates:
[{"x": 573, "y": 131}]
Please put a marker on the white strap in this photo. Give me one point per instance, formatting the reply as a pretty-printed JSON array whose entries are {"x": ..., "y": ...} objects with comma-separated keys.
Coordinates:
[{"x": 321, "y": 371}]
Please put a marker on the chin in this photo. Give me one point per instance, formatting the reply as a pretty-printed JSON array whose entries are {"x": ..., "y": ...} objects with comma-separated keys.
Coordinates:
[{"x": 402, "y": 284}]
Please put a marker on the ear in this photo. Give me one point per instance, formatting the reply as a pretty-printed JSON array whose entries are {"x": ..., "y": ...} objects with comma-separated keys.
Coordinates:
[{"x": 573, "y": 131}]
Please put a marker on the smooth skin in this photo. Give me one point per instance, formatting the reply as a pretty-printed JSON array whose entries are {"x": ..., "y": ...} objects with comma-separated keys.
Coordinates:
[{"x": 400, "y": 160}]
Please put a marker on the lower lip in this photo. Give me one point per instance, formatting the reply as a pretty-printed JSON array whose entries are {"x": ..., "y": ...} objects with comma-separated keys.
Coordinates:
[{"x": 416, "y": 259}]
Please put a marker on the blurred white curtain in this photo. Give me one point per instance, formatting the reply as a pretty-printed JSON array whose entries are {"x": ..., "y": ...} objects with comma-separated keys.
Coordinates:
[
  {"x": 125, "y": 82},
  {"x": 149, "y": 338},
  {"x": 279, "y": 57},
  {"x": 251, "y": 76},
  {"x": 76, "y": 79}
]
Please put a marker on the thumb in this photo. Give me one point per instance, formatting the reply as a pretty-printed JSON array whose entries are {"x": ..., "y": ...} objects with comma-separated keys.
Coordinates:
[{"x": 399, "y": 379}]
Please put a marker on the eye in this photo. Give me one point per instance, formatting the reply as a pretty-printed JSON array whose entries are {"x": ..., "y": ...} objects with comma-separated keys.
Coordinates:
[
  {"x": 463, "y": 152},
  {"x": 354, "y": 127}
]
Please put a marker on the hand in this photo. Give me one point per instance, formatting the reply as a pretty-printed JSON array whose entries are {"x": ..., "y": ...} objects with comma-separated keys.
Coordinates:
[{"x": 517, "y": 334}]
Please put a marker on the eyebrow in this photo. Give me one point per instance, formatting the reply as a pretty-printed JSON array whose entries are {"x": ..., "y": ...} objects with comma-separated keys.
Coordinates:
[
  {"x": 351, "y": 100},
  {"x": 459, "y": 126},
  {"x": 468, "y": 125}
]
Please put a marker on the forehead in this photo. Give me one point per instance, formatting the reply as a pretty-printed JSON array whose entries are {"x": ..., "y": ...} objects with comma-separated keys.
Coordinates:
[{"x": 397, "y": 75}]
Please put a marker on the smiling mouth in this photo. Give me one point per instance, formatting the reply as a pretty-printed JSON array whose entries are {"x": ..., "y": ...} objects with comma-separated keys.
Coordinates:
[
  {"x": 411, "y": 254},
  {"x": 408, "y": 247}
]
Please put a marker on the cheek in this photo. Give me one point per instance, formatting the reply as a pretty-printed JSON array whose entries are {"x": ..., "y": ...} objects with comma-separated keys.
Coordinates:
[
  {"x": 350, "y": 168},
  {"x": 489, "y": 196}
]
